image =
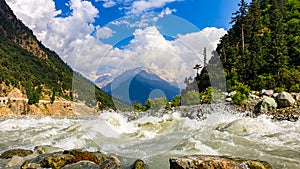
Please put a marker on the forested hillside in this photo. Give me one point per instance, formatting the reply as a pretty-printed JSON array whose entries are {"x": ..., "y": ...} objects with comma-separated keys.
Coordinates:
[
  {"x": 262, "y": 49},
  {"x": 28, "y": 65}
]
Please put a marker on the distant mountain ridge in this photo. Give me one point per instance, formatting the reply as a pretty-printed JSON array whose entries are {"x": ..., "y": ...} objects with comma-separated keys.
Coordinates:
[
  {"x": 26, "y": 63},
  {"x": 137, "y": 85}
]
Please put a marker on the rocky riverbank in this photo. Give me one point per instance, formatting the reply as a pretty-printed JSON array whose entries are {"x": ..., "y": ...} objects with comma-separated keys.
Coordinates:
[
  {"x": 279, "y": 106},
  {"x": 56, "y": 158}
]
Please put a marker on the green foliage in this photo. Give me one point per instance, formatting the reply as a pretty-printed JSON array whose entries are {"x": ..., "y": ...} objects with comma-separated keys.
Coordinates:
[
  {"x": 138, "y": 107},
  {"x": 239, "y": 98},
  {"x": 262, "y": 48},
  {"x": 33, "y": 94},
  {"x": 211, "y": 95},
  {"x": 52, "y": 99},
  {"x": 176, "y": 101},
  {"x": 190, "y": 98},
  {"x": 158, "y": 103},
  {"x": 242, "y": 94}
]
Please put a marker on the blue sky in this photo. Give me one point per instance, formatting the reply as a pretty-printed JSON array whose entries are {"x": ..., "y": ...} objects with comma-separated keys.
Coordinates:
[
  {"x": 202, "y": 13},
  {"x": 107, "y": 37}
]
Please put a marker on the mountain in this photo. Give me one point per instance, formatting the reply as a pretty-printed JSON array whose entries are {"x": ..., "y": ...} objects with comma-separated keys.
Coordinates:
[
  {"x": 137, "y": 85},
  {"x": 25, "y": 63}
]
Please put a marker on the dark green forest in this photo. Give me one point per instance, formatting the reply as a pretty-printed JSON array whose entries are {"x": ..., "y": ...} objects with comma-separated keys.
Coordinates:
[{"x": 262, "y": 49}]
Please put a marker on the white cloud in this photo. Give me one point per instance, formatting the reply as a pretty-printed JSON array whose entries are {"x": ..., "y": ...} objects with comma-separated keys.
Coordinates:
[
  {"x": 103, "y": 33},
  {"x": 71, "y": 38},
  {"x": 145, "y": 5},
  {"x": 150, "y": 49}
]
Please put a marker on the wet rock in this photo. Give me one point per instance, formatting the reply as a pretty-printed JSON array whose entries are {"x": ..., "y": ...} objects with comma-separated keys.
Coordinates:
[
  {"x": 18, "y": 161},
  {"x": 111, "y": 163},
  {"x": 82, "y": 165},
  {"x": 58, "y": 161},
  {"x": 138, "y": 164},
  {"x": 267, "y": 92},
  {"x": 47, "y": 149},
  {"x": 216, "y": 162},
  {"x": 15, "y": 152},
  {"x": 285, "y": 99},
  {"x": 267, "y": 104},
  {"x": 15, "y": 161},
  {"x": 96, "y": 157},
  {"x": 35, "y": 162}
]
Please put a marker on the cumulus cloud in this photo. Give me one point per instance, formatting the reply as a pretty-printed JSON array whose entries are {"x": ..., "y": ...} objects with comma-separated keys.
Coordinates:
[
  {"x": 150, "y": 49},
  {"x": 144, "y": 5},
  {"x": 71, "y": 37}
]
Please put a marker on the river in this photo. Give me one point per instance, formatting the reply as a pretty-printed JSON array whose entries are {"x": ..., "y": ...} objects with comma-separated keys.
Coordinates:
[{"x": 155, "y": 139}]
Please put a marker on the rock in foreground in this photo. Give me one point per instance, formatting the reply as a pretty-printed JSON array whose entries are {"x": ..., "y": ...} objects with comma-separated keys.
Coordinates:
[{"x": 216, "y": 162}]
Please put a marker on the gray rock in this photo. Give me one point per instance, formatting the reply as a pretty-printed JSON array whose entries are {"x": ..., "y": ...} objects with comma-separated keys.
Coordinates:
[
  {"x": 275, "y": 95},
  {"x": 58, "y": 161},
  {"x": 15, "y": 161},
  {"x": 296, "y": 96},
  {"x": 15, "y": 152},
  {"x": 285, "y": 99},
  {"x": 216, "y": 162},
  {"x": 138, "y": 164},
  {"x": 18, "y": 161},
  {"x": 47, "y": 149},
  {"x": 35, "y": 162},
  {"x": 229, "y": 99},
  {"x": 111, "y": 163},
  {"x": 267, "y": 92},
  {"x": 82, "y": 165},
  {"x": 232, "y": 93},
  {"x": 267, "y": 104}
]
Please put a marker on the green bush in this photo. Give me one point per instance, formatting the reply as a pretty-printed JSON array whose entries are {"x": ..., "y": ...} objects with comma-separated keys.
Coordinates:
[
  {"x": 242, "y": 94},
  {"x": 191, "y": 98}
]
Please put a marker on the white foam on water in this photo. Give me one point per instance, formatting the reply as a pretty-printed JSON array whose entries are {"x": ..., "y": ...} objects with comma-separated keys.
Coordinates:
[{"x": 152, "y": 137}]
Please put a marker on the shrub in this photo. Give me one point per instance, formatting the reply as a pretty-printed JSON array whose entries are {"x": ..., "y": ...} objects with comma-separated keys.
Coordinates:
[{"x": 242, "y": 93}]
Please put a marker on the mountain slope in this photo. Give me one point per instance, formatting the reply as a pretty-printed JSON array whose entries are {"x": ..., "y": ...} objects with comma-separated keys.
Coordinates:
[
  {"x": 137, "y": 85},
  {"x": 25, "y": 62}
]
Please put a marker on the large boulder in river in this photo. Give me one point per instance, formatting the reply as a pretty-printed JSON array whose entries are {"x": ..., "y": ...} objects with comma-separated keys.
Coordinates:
[
  {"x": 216, "y": 162},
  {"x": 267, "y": 104},
  {"x": 138, "y": 164},
  {"x": 96, "y": 157},
  {"x": 47, "y": 149},
  {"x": 285, "y": 99},
  {"x": 82, "y": 165},
  {"x": 15, "y": 152}
]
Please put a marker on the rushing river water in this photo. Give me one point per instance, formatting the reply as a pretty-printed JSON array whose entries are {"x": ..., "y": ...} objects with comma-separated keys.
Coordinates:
[{"x": 156, "y": 139}]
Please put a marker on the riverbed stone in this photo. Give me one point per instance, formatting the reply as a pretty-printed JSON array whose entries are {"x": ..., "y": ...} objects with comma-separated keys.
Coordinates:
[
  {"x": 267, "y": 104},
  {"x": 15, "y": 152},
  {"x": 46, "y": 149},
  {"x": 285, "y": 99},
  {"x": 35, "y": 162},
  {"x": 80, "y": 155},
  {"x": 267, "y": 92},
  {"x": 138, "y": 164},
  {"x": 15, "y": 161},
  {"x": 82, "y": 165},
  {"x": 111, "y": 163},
  {"x": 216, "y": 162},
  {"x": 58, "y": 161}
]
